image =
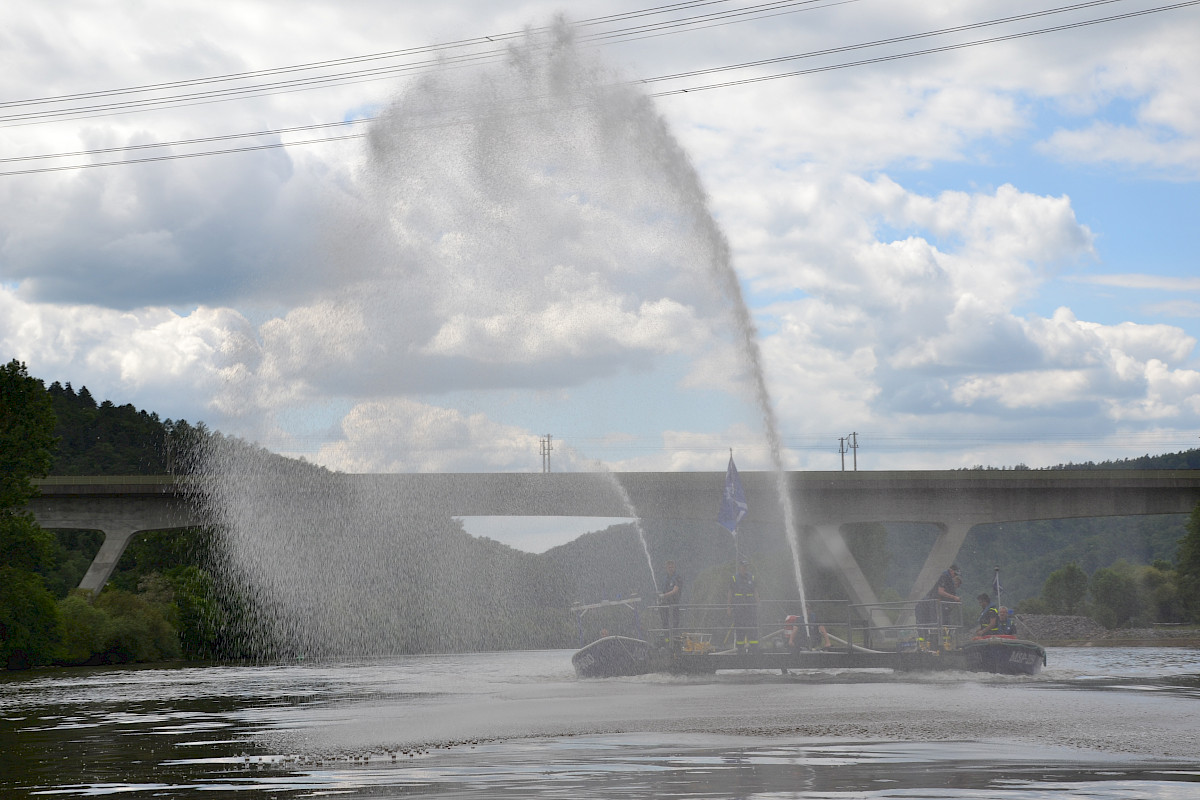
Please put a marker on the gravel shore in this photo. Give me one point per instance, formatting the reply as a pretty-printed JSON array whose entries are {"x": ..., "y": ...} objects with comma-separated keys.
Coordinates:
[{"x": 1059, "y": 629}]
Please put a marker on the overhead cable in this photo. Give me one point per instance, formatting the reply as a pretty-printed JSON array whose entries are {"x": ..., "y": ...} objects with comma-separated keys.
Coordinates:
[
  {"x": 664, "y": 93},
  {"x": 437, "y": 58}
]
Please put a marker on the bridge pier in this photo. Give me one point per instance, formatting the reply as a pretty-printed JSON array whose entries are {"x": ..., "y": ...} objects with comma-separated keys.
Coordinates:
[
  {"x": 941, "y": 556},
  {"x": 828, "y": 536},
  {"x": 116, "y": 539}
]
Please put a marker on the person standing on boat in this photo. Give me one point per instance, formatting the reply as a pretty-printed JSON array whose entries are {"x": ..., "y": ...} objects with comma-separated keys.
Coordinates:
[
  {"x": 743, "y": 607},
  {"x": 945, "y": 590},
  {"x": 668, "y": 600}
]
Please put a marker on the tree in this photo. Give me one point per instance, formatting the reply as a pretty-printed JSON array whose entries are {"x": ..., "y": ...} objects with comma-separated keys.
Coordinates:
[
  {"x": 29, "y": 622},
  {"x": 1159, "y": 586},
  {"x": 1188, "y": 564},
  {"x": 26, "y": 434},
  {"x": 1116, "y": 595},
  {"x": 1065, "y": 590}
]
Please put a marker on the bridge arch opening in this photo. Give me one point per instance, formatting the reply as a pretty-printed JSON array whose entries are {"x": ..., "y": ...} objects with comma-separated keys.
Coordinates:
[{"x": 536, "y": 534}]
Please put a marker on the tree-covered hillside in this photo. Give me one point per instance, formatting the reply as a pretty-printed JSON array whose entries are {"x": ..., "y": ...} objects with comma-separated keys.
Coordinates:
[
  {"x": 1184, "y": 459},
  {"x": 107, "y": 439}
]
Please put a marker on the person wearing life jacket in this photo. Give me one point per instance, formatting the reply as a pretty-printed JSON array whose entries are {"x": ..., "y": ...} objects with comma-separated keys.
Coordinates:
[
  {"x": 743, "y": 607},
  {"x": 989, "y": 617}
]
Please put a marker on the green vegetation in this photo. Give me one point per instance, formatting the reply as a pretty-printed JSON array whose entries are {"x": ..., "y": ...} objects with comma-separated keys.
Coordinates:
[
  {"x": 160, "y": 604},
  {"x": 1122, "y": 595},
  {"x": 1065, "y": 591},
  {"x": 108, "y": 439},
  {"x": 30, "y": 626}
]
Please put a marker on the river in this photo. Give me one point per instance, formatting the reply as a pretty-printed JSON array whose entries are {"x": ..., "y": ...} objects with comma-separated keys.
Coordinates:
[{"x": 1097, "y": 723}]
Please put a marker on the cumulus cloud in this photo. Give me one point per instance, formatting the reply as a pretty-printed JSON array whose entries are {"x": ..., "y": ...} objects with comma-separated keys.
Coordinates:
[
  {"x": 908, "y": 313},
  {"x": 1119, "y": 369},
  {"x": 402, "y": 435},
  {"x": 153, "y": 354},
  {"x": 215, "y": 232}
]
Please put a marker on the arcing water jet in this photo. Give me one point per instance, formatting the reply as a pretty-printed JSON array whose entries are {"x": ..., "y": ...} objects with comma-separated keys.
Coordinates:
[{"x": 528, "y": 218}]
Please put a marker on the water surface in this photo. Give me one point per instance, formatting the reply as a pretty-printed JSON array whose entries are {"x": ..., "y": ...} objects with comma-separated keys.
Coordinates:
[{"x": 1098, "y": 723}]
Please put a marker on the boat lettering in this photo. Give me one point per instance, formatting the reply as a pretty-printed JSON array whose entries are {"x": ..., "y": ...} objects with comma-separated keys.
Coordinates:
[{"x": 1022, "y": 657}]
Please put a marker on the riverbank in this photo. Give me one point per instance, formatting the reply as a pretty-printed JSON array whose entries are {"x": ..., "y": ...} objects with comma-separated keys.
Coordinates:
[{"x": 1074, "y": 631}]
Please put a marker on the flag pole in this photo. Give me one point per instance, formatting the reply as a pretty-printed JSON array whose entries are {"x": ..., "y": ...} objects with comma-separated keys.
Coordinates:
[
  {"x": 733, "y": 505},
  {"x": 737, "y": 555}
]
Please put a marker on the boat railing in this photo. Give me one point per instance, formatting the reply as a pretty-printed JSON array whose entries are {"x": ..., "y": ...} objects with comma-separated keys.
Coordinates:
[
  {"x": 830, "y": 625},
  {"x": 779, "y": 626},
  {"x": 909, "y": 626},
  {"x": 632, "y": 603}
]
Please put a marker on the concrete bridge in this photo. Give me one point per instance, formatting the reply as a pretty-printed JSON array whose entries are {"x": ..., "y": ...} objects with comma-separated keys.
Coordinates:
[{"x": 954, "y": 501}]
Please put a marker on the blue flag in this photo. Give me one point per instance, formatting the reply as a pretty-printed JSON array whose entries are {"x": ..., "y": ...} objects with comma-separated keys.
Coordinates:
[{"x": 733, "y": 503}]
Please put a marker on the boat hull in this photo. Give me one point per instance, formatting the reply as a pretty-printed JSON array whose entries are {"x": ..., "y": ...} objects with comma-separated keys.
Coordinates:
[
  {"x": 611, "y": 657},
  {"x": 1005, "y": 655}
]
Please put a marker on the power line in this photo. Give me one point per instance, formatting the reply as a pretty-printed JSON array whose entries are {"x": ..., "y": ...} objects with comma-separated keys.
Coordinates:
[
  {"x": 891, "y": 40},
  {"x": 479, "y": 40},
  {"x": 200, "y": 140},
  {"x": 943, "y": 49},
  {"x": 320, "y": 81},
  {"x": 756, "y": 79},
  {"x": 359, "y": 76}
]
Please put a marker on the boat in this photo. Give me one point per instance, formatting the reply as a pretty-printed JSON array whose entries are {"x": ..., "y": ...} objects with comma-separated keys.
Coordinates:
[
  {"x": 612, "y": 656},
  {"x": 875, "y": 636},
  {"x": 1004, "y": 654}
]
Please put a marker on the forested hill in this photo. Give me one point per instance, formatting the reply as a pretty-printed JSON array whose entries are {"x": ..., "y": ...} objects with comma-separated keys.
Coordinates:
[
  {"x": 107, "y": 439},
  {"x": 1185, "y": 459}
]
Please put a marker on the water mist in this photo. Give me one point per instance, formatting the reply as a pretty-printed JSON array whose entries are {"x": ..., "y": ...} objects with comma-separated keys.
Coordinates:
[{"x": 527, "y": 218}]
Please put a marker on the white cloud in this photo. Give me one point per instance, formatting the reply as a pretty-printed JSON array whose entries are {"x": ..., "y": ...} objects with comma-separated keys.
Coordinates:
[
  {"x": 1159, "y": 81},
  {"x": 1162, "y": 282},
  {"x": 1164, "y": 151},
  {"x": 403, "y": 435},
  {"x": 1111, "y": 367},
  {"x": 171, "y": 362}
]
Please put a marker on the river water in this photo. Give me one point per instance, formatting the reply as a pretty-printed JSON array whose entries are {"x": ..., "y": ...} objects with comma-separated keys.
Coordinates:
[{"x": 1098, "y": 723}]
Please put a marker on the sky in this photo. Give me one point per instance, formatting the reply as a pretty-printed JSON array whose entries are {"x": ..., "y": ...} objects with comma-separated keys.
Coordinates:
[{"x": 588, "y": 221}]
